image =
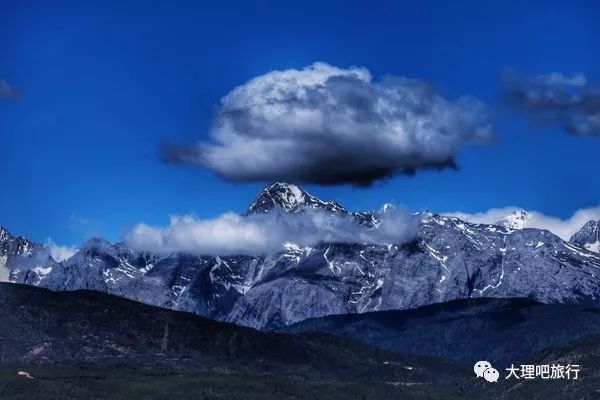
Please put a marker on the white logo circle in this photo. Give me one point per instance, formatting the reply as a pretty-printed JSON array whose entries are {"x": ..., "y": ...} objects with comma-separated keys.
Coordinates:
[{"x": 480, "y": 367}]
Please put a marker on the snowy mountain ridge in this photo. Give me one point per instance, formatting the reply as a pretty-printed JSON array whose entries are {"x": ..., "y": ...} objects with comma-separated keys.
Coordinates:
[
  {"x": 518, "y": 219},
  {"x": 449, "y": 259}
]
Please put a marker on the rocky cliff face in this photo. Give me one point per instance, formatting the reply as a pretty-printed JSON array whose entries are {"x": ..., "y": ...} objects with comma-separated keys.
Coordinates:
[
  {"x": 22, "y": 260},
  {"x": 450, "y": 259},
  {"x": 588, "y": 236}
]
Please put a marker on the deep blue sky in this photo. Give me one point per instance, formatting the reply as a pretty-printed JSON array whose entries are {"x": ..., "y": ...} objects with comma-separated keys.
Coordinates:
[{"x": 103, "y": 83}]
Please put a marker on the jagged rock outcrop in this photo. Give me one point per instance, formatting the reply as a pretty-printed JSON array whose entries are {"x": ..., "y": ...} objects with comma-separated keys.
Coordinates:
[{"x": 588, "y": 236}]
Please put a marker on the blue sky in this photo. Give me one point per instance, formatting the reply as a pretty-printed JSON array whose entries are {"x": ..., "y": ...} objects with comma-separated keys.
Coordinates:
[{"x": 102, "y": 84}]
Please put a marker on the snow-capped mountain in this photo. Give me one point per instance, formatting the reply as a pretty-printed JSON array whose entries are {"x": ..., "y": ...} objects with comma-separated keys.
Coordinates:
[
  {"x": 22, "y": 260},
  {"x": 292, "y": 198},
  {"x": 449, "y": 259},
  {"x": 588, "y": 236},
  {"x": 518, "y": 219}
]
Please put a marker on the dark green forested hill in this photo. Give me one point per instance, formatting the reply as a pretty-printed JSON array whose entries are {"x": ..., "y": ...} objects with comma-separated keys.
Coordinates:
[
  {"x": 91, "y": 345},
  {"x": 87, "y": 345}
]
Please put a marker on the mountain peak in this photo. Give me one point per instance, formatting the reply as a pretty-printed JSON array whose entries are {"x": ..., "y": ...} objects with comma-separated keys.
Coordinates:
[
  {"x": 17, "y": 245},
  {"x": 4, "y": 234},
  {"x": 96, "y": 245},
  {"x": 588, "y": 236},
  {"x": 517, "y": 219},
  {"x": 387, "y": 208},
  {"x": 289, "y": 197}
]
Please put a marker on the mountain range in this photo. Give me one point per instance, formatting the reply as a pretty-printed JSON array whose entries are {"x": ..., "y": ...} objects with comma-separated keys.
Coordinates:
[{"x": 448, "y": 259}]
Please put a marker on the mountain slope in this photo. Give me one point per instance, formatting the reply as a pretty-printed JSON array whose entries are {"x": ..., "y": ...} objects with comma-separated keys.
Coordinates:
[
  {"x": 502, "y": 331},
  {"x": 47, "y": 326},
  {"x": 449, "y": 259},
  {"x": 100, "y": 330},
  {"x": 88, "y": 345},
  {"x": 584, "y": 353}
]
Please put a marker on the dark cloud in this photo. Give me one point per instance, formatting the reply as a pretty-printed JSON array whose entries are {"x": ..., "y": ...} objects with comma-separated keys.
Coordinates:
[
  {"x": 556, "y": 99},
  {"x": 6, "y": 91},
  {"x": 328, "y": 125}
]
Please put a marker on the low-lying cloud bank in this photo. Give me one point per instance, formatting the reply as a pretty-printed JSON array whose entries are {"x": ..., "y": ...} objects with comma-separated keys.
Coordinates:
[
  {"x": 329, "y": 125},
  {"x": 232, "y": 234},
  {"x": 556, "y": 99},
  {"x": 60, "y": 253},
  {"x": 564, "y": 228}
]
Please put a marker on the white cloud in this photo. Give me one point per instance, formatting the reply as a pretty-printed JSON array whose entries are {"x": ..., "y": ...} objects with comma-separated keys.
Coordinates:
[
  {"x": 60, "y": 253},
  {"x": 329, "y": 125},
  {"x": 486, "y": 217},
  {"x": 265, "y": 233},
  {"x": 564, "y": 228}
]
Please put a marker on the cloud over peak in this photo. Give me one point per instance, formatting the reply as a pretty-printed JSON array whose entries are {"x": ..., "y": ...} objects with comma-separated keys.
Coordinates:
[
  {"x": 556, "y": 99},
  {"x": 256, "y": 234},
  {"x": 60, "y": 253},
  {"x": 328, "y": 125},
  {"x": 563, "y": 228}
]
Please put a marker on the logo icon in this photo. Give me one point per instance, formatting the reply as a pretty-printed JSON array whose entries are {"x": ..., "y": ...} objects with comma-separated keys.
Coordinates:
[
  {"x": 483, "y": 369},
  {"x": 491, "y": 375}
]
